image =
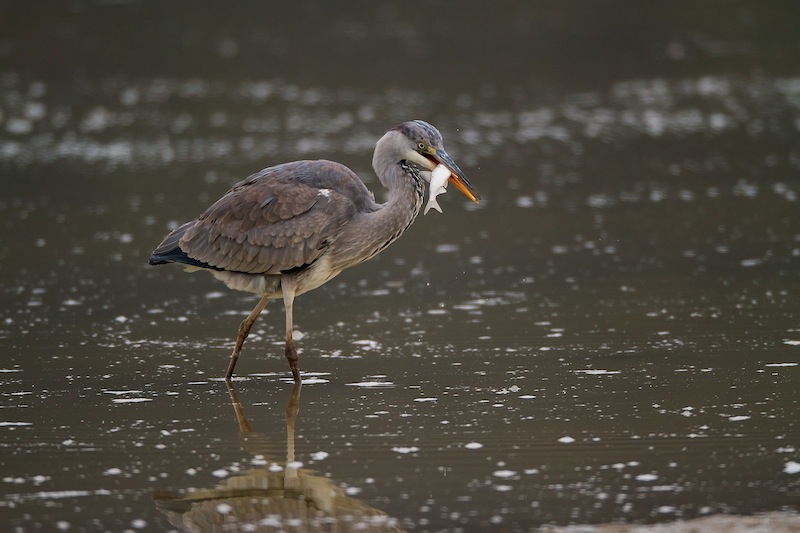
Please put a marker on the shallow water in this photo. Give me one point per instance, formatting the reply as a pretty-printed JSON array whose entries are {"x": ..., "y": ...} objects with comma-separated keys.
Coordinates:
[{"x": 612, "y": 335}]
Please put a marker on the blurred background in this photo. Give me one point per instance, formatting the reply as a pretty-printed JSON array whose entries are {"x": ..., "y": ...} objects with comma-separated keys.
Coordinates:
[{"x": 612, "y": 335}]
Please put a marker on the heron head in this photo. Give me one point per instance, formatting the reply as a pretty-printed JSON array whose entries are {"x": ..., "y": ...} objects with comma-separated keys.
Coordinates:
[{"x": 420, "y": 143}]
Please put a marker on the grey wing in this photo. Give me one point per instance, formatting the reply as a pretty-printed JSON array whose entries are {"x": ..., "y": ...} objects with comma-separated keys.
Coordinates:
[{"x": 267, "y": 226}]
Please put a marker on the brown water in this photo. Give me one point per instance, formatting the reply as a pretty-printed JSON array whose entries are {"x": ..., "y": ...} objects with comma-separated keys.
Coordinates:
[{"x": 613, "y": 335}]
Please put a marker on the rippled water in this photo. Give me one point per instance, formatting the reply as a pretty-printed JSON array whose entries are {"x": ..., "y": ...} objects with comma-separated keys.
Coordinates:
[{"x": 612, "y": 335}]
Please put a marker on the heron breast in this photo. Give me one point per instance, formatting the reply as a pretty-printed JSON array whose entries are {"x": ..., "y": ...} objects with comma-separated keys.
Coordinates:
[{"x": 320, "y": 272}]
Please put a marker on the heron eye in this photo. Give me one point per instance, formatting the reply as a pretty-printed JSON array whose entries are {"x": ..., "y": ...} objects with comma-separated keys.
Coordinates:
[{"x": 421, "y": 145}]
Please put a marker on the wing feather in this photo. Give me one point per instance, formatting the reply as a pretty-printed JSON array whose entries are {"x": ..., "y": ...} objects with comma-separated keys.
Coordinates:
[{"x": 279, "y": 219}]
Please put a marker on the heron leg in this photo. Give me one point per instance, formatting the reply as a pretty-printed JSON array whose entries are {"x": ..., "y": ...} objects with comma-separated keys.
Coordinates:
[
  {"x": 244, "y": 331},
  {"x": 289, "y": 288}
]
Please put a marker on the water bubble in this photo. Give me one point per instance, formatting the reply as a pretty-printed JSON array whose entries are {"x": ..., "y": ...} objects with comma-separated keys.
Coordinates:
[
  {"x": 405, "y": 449},
  {"x": 791, "y": 467}
]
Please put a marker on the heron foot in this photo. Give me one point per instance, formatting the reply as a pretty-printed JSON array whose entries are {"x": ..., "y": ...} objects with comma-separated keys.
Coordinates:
[
  {"x": 291, "y": 356},
  {"x": 231, "y": 366},
  {"x": 244, "y": 331}
]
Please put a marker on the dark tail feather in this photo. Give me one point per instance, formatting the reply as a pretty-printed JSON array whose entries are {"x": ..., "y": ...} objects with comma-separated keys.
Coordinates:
[
  {"x": 178, "y": 256},
  {"x": 169, "y": 251}
]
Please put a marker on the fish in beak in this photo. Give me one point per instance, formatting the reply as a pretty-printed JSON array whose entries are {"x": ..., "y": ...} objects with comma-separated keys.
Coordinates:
[{"x": 457, "y": 177}]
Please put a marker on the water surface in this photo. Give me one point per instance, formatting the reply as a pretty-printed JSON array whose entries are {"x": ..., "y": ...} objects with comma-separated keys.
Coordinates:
[{"x": 612, "y": 335}]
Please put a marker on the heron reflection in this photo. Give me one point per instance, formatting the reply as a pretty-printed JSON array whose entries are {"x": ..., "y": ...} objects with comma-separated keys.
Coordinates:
[{"x": 271, "y": 498}]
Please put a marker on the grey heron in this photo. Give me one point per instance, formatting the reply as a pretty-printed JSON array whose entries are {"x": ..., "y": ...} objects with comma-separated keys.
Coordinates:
[{"x": 290, "y": 228}]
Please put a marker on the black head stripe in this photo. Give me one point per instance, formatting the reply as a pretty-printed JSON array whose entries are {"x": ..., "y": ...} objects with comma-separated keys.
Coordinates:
[{"x": 419, "y": 130}]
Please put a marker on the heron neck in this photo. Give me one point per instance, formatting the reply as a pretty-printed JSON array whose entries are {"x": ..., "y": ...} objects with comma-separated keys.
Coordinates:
[
  {"x": 406, "y": 194},
  {"x": 377, "y": 229}
]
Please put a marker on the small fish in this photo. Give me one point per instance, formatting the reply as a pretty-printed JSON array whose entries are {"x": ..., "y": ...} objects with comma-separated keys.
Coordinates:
[{"x": 438, "y": 185}]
